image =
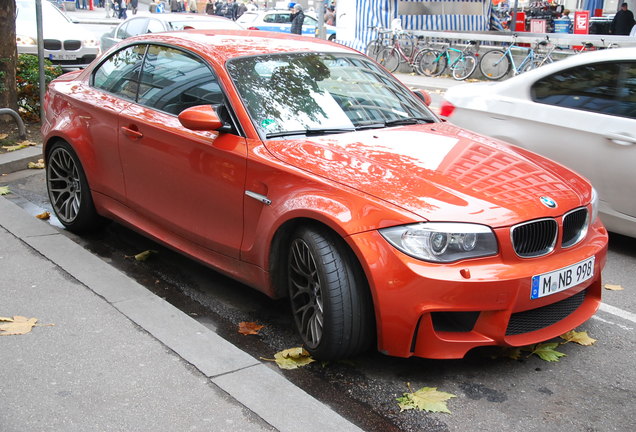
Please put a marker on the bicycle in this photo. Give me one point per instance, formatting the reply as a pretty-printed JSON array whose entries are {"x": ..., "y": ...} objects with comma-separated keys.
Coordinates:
[
  {"x": 383, "y": 40},
  {"x": 496, "y": 63},
  {"x": 404, "y": 49},
  {"x": 434, "y": 62}
]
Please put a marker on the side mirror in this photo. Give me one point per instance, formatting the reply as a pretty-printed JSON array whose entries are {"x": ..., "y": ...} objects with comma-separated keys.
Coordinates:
[
  {"x": 426, "y": 98},
  {"x": 202, "y": 117}
]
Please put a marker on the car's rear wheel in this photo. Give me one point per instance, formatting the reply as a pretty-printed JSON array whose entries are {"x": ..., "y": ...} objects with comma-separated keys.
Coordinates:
[
  {"x": 68, "y": 189},
  {"x": 330, "y": 299}
]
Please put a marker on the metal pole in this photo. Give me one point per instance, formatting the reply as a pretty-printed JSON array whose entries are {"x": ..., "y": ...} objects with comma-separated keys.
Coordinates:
[
  {"x": 321, "y": 20},
  {"x": 38, "y": 21},
  {"x": 513, "y": 17}
]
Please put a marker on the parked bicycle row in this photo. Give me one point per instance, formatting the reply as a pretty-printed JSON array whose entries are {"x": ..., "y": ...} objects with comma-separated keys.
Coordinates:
[{"x": 394, "y": 48}]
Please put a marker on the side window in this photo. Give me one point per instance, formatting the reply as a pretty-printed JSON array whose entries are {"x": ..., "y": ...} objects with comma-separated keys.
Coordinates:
[
  {"x": 173, "y": 80},
  {"x": 137, "y": 26},
  {"x": 607, "y": 88},
  {"x": 155, "y": 26},
  {"x": 122, "y": 32},
  {"x": 309, "y": 21},
  {"x": 119, "y": 74},
  {"x": 269, "y": 18}
]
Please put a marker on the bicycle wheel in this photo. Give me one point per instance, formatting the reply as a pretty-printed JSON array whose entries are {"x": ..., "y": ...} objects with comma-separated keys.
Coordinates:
[
  {"x": 373, "y": 48},
  {"x": 389, "y": 58},
  {"x": 494, "y": 64},
  {"x": 432, "y": 62},
  {"x": 464, "y": 67},
  {"x": 407, "y": 42}
]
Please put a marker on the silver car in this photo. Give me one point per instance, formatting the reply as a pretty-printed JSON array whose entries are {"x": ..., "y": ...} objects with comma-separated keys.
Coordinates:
[{"x": 65, "y": 43}]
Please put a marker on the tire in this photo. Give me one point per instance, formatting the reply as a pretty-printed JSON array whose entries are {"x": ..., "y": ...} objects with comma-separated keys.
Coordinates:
[
  {"x": 373, "y": 49},
  {"x": 68, "y": 190},
  {"x": 332, "y": 38},
  {"x": 537, "y": 62},
  {"x": 390, "y": 59},
  {"x": 464, "y": 67},
  {"x": 329, "y": 296},
  {"x": 494, "y": 64},
  {"x": 430, "y": 63}
]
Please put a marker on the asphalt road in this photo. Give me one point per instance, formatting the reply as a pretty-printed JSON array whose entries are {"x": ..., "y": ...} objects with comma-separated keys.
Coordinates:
[{"x": 591, "y": 389}]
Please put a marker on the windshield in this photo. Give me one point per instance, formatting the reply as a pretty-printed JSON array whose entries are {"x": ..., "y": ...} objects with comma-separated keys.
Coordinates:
[
  {"x": 322, "y": 92},
  {"x": 51, "y": 15}
]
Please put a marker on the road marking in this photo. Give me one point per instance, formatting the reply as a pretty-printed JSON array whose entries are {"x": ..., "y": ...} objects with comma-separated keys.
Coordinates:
[
  {"x": 624, "y": 327},
  {"x": 618, "y": 312}
]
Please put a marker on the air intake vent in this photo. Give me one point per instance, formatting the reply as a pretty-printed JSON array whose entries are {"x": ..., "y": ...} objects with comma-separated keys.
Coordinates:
[
  {"x": 536, "y": 238},
  {"x": 536, "y": 319},
  {"x": 574, "y": 227}
]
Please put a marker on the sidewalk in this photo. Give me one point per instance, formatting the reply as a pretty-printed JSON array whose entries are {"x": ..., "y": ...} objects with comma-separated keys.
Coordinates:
[{"x": 118, "y": 358}]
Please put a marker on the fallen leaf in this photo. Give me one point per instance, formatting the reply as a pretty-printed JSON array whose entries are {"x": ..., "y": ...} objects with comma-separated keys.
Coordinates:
[
  {"x": 425, "y": 399},
  {"x": 249, "y": 328},
  {"x": 44, "y": 216},
  {"x": 14, "y": 147},
  {"x": 580, "y": 338},
  {"x": 36, "y": 165},
  {"x": 614, "y": 287},
  {"x": 513, "y": 353},
  {"x": 142, "y": 256},
  {"x": 3, "y": 136},
  {"x": 4, "y": 190},
  {"x": 547, "y": 352},
  {"x": 26, "y": 143},
  {"x": 18, "y": 325},
  {"x": 292, "y": 358}
]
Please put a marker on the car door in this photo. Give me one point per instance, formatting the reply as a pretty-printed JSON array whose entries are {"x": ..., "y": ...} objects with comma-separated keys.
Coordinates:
[
  {"x": 188, "y": 182},
  {"x": 590, "y": 117}
]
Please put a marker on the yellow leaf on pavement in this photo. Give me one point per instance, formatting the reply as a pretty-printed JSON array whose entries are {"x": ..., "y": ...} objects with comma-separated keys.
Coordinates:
[
  {"x": 292, "y": 358},
  {"x": 142, "y": 256},
  {"x": 14, "y": 147},
  {"x": 36, "y": 165},
  {"x": 580, "y": 338},
  {"x": 26, "y": 143},
  {"x": 18, "y": 325},
  {"x": 44, "y": 216},
  {"x": 3, "y": 136},
  {"x": 614, "y": 287},
  {"x": 4, "y": 190},
  {"x": 425, "y": 399}
]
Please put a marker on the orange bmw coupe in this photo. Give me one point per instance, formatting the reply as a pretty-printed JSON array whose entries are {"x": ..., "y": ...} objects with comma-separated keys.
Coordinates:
[{"x": 305, "y": 170}]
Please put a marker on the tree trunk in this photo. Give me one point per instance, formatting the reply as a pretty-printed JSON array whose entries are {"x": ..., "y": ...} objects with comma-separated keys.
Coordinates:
[{"x": 8, "y": 57}]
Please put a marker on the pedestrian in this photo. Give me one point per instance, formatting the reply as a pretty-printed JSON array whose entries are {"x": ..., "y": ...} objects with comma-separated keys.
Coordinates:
[
  {"x": 330, "y": 16},
  {"x": 297, "y": 17},
  {"x": 241, "y": 9},
  {"x": 209, "y": 7},
  {"x": 174, "y": 5},
  {"x": 229, "y": 10},
  {"x": 251, "y": 6},
  {"x": 218, "y": 8},
  {"x": 192, "y": 6},
  {"x": 623, "y": 21},
  {"x": 122, "y": 6},
  {"x": 566, "y": 16},
  {"x": 133, "y": 6}
]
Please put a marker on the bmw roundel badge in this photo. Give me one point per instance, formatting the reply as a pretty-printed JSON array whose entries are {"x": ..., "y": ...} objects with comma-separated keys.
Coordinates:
[{"x": 548, "y": 202}]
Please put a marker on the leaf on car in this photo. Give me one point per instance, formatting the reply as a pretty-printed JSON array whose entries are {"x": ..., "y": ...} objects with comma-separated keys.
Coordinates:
[
  {"x": 580, "y": 338},
  {"x": 249, "y": 328},
  {"x": 292, "y": 358},
  {"x": 425, "y": 399},
  {"x": 547, "y": 351},
  {"x": 18, "y": 325},
  {"x": 613, "y": 287},
  {"x": 4, "y": 190},
  {"x": 44, "y": 216},
  {"x": 143, "y": 256},
  {"x": 36, "y": 165}
]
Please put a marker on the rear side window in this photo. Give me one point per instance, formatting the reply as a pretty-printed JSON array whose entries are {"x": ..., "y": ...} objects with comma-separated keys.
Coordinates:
[
  {"x": 119, "y": 74},
  {"x": 172, "y": 80},
  {"x": 606, "y": 88}
]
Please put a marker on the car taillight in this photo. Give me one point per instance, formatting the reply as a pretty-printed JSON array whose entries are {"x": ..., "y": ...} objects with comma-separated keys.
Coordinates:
[
  {"x": 253, "y": 28},
  {"x": 446, "y": 109}
]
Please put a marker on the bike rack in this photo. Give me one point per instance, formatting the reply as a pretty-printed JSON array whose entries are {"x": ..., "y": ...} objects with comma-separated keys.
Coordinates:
[{"x": 18, "y": 120}]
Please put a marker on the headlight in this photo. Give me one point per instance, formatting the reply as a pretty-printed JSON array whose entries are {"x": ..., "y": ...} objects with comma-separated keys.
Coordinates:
[
  {"x": 442, "y": 242},
  {"x": 22, "y": 40},
  {"x": 594, "y": 203},
  {"x": 91, "y": 43}
]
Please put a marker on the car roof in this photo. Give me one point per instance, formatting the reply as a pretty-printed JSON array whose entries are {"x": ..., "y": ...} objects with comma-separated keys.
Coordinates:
[{"x": 226, "y": 44}]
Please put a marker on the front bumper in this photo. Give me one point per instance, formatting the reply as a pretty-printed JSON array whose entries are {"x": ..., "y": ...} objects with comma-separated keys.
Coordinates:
[{"x": 444, "y": 310}]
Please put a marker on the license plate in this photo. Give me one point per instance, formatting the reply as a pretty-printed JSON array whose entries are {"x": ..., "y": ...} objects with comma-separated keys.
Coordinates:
[
  {"x": 63, "y": 57},
  {"x": 562, "y": 279}
]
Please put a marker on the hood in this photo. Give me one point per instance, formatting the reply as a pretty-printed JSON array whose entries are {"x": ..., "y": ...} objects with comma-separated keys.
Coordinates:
[{"x": 441, "y": 173}]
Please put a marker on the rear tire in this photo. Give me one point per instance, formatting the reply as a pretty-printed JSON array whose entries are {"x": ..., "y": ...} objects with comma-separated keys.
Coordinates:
[
  {"x": 389, "y": 58},
  {"x": 329, "y": 296},
  {"x": 494, "y": 64},
  {"x": 431, "y": 64},
  {"x": 68, "y": 190}
]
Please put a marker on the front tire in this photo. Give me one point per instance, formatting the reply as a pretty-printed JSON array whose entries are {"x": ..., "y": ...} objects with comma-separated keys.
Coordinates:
[
  {"x": 464, "y": 67},
  {"x": 329, "y": 296},
  {"x": 68, "y": 190},
  {"x": 494, "y": 64},
  {"x": 389, "y": 58}
]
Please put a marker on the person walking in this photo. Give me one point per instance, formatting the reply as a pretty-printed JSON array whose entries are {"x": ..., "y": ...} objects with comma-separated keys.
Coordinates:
[
  {"x": 297, "y": 17},
  {"x": 133, "y": 6},
  {"x": 623, "y": 21},
  {"x": 192, "y": 5},
  {"x": 229, "y": 10}
]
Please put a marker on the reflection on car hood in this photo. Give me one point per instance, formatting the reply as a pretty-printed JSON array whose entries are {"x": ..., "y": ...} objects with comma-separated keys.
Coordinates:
[{"x": 440, "y": 172}]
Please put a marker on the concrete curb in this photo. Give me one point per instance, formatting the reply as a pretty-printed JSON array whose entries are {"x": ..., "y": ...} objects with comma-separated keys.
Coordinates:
[
  {"x": 259, "y": 388},
  {"x": 19, "y": 159}
]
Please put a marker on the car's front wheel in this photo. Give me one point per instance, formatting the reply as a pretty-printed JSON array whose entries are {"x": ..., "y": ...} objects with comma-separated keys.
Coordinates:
[
  {"x": 68, "y": 189},
  {"x": 330, "y": 299}
]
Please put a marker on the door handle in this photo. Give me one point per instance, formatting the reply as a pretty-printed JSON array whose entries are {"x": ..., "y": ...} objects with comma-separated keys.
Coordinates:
[
  {"x": 132, "y": 132},
  {"x": 621, "y": 138}
]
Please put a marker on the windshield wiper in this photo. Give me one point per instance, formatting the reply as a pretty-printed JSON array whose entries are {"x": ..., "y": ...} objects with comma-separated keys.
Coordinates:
[
  {"x": 310, "y": 132},
  {"x": 408, "y": 121}
]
